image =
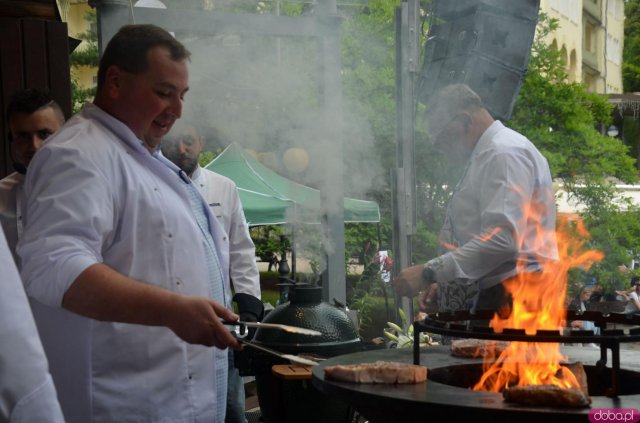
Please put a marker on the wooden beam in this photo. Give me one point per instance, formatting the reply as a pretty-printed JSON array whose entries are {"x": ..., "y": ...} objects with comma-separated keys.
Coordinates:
[
  {"x": 194, "y": 21},
  {"x": 44, "y": 9}
]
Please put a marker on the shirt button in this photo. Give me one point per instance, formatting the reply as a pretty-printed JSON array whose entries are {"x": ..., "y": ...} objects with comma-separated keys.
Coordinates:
[
  {"x": 224, "y": 238},
  {"x": 170, "y": 235},
  {"x": 190, "y": 377},
  {"x": 178, "y": 282}
]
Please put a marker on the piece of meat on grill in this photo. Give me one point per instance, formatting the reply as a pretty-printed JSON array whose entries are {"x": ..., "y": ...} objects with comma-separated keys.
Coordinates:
[
  {"x": 547, "y": 395},
  {"x": 578, "y": 371},
  {"x": 475, "y": 348},
  {"x": 379, "y": 372}
]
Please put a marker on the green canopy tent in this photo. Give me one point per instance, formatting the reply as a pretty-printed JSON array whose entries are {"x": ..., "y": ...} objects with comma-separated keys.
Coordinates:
[{"x": 271, "y": 199}]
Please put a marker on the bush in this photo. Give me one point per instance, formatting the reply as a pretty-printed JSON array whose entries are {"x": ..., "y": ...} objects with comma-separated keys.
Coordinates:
[{"x": 372, "y": 315}]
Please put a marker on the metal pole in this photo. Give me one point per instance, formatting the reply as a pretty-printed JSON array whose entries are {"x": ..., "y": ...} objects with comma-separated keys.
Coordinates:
[
  {"x": 332, "y": 193},
  {"x": 404, "y": 215},
  {"x": 110, "y": 16}
]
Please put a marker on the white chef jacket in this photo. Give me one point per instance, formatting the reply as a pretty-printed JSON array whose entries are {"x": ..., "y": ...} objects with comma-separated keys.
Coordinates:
[
  {"x": 631, "y": 306},
  {"x": 222, "y": 196},
  {"x": 94, "y": 194},
  {"x": 10, "y": 212},
  {"x": 27, "y": 393},
  {"x": 490, "y": 227}
]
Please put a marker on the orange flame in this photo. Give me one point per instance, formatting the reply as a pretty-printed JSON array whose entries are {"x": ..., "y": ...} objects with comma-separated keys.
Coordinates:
[
  {"x": 490, "y": 235},
  {"x": 538, "y": 304}
]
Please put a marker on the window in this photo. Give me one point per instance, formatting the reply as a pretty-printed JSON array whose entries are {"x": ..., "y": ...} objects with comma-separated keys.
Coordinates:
[
  {"x": 616, "y": 9},
  {"x": 619, "y": 14},
  {"x": 564, "y": 8},
  {"x": 588, "y": 36},
  {"x": 571, "y": 9},
  {"x": 614, "y": 52},
  {"x": 574, "y": 11}
]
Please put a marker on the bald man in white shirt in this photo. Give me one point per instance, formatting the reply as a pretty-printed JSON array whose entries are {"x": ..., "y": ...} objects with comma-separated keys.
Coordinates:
[{"x": 502, "y": 203}]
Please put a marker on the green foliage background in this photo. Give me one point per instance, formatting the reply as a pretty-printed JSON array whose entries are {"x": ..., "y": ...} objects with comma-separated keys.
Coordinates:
[
  {"x": 85, "y": 55},
  {"x": 631, "y": 52}
]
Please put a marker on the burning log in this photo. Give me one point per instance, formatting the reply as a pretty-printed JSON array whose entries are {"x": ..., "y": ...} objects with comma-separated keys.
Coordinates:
[
  {"x": 553, "y": 395},
  {"x": 549, "y": 395},
  {"x": 577, "y": 369}
]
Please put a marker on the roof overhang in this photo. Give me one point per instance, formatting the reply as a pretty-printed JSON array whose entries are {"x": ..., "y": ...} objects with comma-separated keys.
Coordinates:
[{"x": 627, "y": 104}]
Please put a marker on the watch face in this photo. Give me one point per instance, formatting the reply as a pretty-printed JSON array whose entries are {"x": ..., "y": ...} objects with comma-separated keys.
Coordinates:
[{"x": 427, "y": 274}]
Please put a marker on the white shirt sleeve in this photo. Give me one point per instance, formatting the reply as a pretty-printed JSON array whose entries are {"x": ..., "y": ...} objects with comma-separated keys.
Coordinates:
[
  {"x": 503, "y": 201},
  {"x": 28, "y": 393},
  {"x": 242, "y": 252},
  {"x": 222, "y": 196},
  {"x": 500, "y": 219}
]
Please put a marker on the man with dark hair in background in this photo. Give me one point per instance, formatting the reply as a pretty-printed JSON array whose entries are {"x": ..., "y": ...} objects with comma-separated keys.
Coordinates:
[
  {"x": 32, "y": 116},
  {"x": 183, "y": 147},
  {"x": 496, "y": 212},
  {"x": 123, "y": 255}
]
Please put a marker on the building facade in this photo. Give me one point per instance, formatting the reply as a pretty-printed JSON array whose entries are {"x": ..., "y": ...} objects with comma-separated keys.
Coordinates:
[
  {"x": 77, "y": 22},
  {"x": 590, "y": 37}
]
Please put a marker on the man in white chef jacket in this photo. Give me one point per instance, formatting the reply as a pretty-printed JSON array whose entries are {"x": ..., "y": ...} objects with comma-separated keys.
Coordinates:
[
  {"x": 183, "y": 147},
  {"x": 27, "y": 393},
  {"x": 32, "y": 116},
  {"x": 108, "y": 249}
]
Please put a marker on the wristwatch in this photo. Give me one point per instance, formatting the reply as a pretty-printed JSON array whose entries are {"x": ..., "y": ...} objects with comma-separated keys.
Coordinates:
[{"x": 428, "y": 276}]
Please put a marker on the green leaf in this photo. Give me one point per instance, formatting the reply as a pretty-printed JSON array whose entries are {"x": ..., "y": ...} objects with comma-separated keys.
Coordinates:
[
  {"x": 403, "y": 316},
  {"x": 390, "y": 336},
  {"x": 395, "y": 327}
]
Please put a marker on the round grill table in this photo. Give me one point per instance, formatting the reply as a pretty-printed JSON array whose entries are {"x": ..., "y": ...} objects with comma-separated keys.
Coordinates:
[{"x": 432, "y": 401}]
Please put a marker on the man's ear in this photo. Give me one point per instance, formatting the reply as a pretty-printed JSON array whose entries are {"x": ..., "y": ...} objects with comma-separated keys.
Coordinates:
[
  {"x": 467, "y": 120},
  {"x": 113, "y": 80},
  {"x": 203, "y": 142}
]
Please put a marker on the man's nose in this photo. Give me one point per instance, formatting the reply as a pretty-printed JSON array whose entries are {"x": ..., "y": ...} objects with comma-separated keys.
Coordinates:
[
  {"x": 182, "y": 148},
  {"x": 176, "y": 107},
  {"x": 34, "y": 141}
]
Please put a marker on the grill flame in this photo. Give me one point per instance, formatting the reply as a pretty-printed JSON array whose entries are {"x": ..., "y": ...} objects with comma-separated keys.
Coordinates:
[{"x": 538, "y": 304}]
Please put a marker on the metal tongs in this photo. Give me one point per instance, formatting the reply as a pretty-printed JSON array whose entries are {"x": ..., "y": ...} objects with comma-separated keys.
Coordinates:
[
  {"x": 286, "y": 328},
  {"x": 291, "y": 329},
  {"x": 293, "y": 358}
]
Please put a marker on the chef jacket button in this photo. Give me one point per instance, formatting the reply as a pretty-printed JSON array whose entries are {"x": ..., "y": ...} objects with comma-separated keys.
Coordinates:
[
  {"x": 170, "y": 235},
  {"x": 155, "y": 188},
  {"x": 190, "y": 376},
  {"x": 224, "y": 238},
  {"x": 178, "y": 282}
]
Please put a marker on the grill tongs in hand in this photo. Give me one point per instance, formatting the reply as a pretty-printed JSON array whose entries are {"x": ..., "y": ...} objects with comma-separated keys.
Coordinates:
[{"x": 286, "y": 328}]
